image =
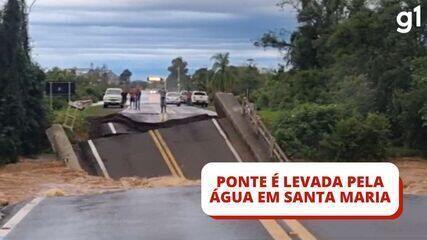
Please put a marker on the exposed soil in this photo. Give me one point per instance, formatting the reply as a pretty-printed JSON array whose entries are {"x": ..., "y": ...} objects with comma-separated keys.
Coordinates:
[
  {"x": 413, "y": 172},
  {"x": 48, "y": 177}
]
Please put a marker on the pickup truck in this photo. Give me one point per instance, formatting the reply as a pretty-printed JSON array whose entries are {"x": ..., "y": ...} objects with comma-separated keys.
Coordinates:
[{"x": 200, "y": 98}]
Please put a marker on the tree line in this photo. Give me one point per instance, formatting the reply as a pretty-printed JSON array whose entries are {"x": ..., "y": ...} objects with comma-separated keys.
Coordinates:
[
  {"x": 22, "y": 113},
  {"x": 220, "y": 77},
  {"x": 90, "y": 84},
  {"x": 356, "y": 88},
  {"x": 350, "y": 86}
]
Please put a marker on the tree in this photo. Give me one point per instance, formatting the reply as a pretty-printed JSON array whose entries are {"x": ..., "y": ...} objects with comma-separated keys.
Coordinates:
[
  {"x": 315, "y": 18},
  {"x": 349, "y": 54},
  {"x": 12, "y": 65},
  {"x": 247, "y": 78},
  {"x": 125, "y": 77},
  {"x": 33, "y": 137},
  {"x": 22, "y": 118},
  {"x": 222, "y": 79},
  {"x": 200, "y": 79},
  {"x": 178, "y": 68},
  {"x": 90, "y": 85},
  {"x": 240, "y": 80},
  {"x": 356, "y": 138},
  {"x": 413, "y": 105}
]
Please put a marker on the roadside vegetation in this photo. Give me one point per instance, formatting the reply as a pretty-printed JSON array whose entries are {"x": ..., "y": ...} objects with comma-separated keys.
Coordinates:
[
  {"x": 241, "y": 80},
  {"x": 22, "y": 110},
  {"x": 89, "y": 85},
  {"x": 354, "y": 88},
  {"x": 25, "y": 112},
  {"x": 350, "y": 88},
  {"x": 81, "y": 126}
]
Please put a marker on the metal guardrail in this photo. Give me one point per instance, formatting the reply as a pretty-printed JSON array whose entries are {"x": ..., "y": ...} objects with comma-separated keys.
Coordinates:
[{"x": 276, "y": 151}]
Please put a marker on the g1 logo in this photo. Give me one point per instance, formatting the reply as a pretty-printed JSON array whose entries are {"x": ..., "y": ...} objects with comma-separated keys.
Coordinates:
[{"x": 406, "y": 26}]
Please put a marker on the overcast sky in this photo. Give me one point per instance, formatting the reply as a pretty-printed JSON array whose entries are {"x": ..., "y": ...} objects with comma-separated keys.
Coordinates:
[{"x": 145, "y": 35}]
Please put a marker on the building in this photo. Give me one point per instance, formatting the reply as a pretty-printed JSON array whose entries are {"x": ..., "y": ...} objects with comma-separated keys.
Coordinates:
[
  {"x": 155, "y": 79},
  {"x": 80, "y": 71},
  {"x": 102, "y": 74},
  {"x": 155, "y": 82}
]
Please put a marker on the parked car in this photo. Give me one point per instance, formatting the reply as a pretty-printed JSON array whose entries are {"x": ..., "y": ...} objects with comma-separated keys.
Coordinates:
[
  {"x": 173, "y": 98},
  {"x": 113, "y": 96},
  {"x": 200, "y": 98},
  {"x": 185, "y": 96}
]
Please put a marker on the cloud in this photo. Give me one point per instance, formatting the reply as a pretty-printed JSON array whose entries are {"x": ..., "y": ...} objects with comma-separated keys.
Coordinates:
[
  {"x": 131, "y": 18},
  {"x": 150, "y": 5},
  {"x": 144, "y": 35}
]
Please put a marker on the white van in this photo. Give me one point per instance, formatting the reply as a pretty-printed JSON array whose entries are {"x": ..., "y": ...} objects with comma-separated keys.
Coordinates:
[{"x": 113, "y": 96}]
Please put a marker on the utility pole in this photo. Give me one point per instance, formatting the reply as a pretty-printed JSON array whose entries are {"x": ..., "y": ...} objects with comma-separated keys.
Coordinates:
[
  {"x": 179, "y": 78},
  {"x": 50, "y": 95},
  {"x": 69, "y": 92}
]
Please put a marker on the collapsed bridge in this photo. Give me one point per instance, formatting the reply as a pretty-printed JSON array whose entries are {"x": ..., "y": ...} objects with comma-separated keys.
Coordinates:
[
  {"x": 147, "y": 144},
  {"x": 150, "y": 144}
]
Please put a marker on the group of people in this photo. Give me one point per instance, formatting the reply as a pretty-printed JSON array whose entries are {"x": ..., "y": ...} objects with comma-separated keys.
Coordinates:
[{"x": 135, "y": 98}]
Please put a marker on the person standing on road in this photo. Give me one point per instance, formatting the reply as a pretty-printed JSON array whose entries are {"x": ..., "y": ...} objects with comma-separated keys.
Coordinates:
[
  {"x": 162, "y": 93},
  {"x": 138, "y": 99},
  {"x": 124, "y": 97},
  {"x": 188, "y": 96},
  {"x": 132, "y": 98}
]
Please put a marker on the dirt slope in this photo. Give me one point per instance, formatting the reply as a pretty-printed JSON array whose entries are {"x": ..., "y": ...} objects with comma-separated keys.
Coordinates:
[
  {"x": 413, "y": 172},
  {"x": 48, "y": 177}
]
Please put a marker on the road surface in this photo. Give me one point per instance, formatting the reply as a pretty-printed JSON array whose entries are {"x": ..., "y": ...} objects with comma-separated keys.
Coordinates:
[
  {"x": 138, "y": 214},
  {"x": 126, "y": 152},
  {"x": 175, "y": 213},
  {"x": 150, "y": 110}
]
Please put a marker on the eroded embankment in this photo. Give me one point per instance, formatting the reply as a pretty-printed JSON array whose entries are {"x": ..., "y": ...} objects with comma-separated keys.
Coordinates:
[
  {"x": 413, "y": 172},
  {"x": 98, "y": 127},
  {"x": 48, "y": 177}
]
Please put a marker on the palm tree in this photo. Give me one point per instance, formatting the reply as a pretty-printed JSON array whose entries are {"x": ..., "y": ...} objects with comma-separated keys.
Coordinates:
[{"x": 222, "y": 79}]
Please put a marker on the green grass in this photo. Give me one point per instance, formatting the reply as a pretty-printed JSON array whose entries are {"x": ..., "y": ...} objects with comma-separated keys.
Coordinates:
[
  {"x": 212, "y": 108},
  {"x": 269, "y": 117},
  {"x": 99, "y": 111},
  {"x": 81, "y": 124}
]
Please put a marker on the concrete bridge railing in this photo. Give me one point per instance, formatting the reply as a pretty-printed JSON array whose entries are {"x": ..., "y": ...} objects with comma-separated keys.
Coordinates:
[
  {"x": 61, "y": 145},
  {"x": 249, "y": 126}
]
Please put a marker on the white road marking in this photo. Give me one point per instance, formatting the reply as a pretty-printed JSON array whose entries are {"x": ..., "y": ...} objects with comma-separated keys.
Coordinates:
[
  {"x": 170, "y": 110},
  {"x": 112, "y": 128},
  {"x": 272, "y": 226},
  {"x": 164, "y": 117},
  {"x": 185, "y": 110},
  {"x": 98, "y": 159},
  {"x": 275, "y": 230},
  {"x": 233, "y": 150},
  {"x": 17, "y": 218}
]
